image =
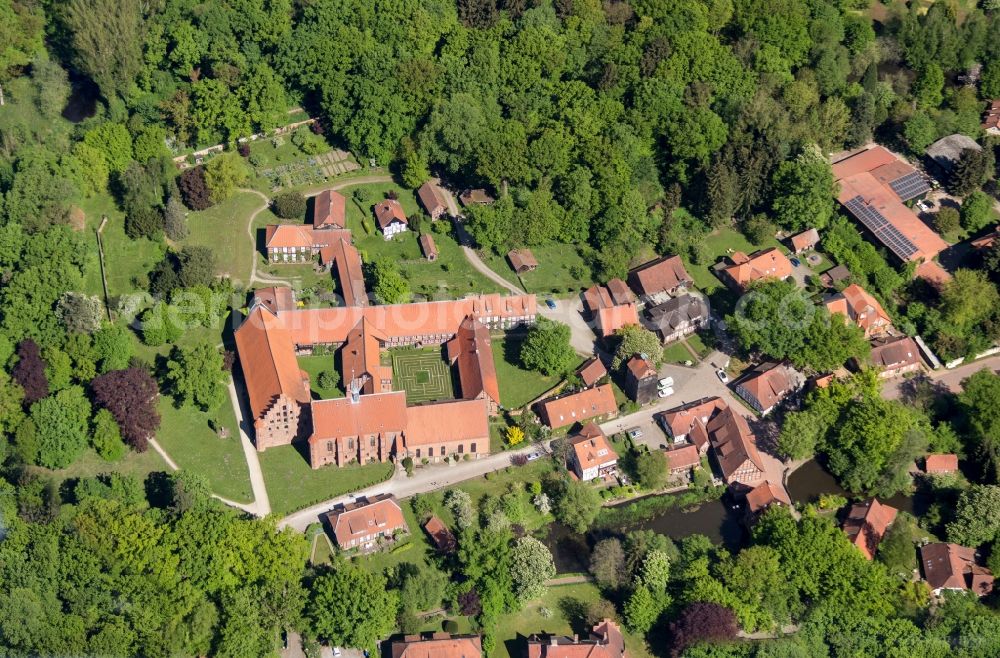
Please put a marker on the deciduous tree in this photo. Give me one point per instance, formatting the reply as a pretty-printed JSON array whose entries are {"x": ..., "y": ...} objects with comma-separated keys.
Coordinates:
[
  {"x": 131, "y": 396},
  {"x": 29, "y": 372},
  {"x": 547, "y": 348},
  {"x": 62, "y": 423},
  {"x": 577, "y": 505},
  {"x": 531, "y": 566},
  {"x": 349, "y": 606},
  {"x": 195, "y": 375}
]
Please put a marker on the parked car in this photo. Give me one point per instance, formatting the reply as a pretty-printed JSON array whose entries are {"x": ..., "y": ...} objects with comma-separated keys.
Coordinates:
[
  {"x": 666, "y": 382},
  {"x": 634, "y": 432},
  {"x": 723, "y": 377},
  {"x": 665, "y": 392},
  {"x": 533, "y": 456},
  {"x": 795, "y": 261},
  {"x": 550, "y": 303},
  {"x": 336, "y": 651}
]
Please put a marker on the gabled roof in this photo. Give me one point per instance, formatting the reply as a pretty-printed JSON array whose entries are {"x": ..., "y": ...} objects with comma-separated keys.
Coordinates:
[
  {"x": 661, "y": 275},
  {"x": 678, "y": 312},
  {"x": 427, "y": 246},
  {"x": 992, "y": 119},
  {"x": 389, "y": 211},
  {"x": 620, "y": 293},
  {"x": 478, "y": 195},
  {"x": 859, "y": 307},
  {"x": 769, "y": 383},
  {"x": 895, "y": 353},
  {"x": 766, "y": 494},
  {"x": 268, "y": 359},
  {"x": 521, "y": 259},
  {"x": 683, "y": 418},
  {"x": 439, "y": 645},
  {"x": 805, "y": 240},
  {"x": 360, "y": 356},
  {"x": 371, "y": 414},
  {"x": 866, "y": 524},
  {"x": 947, "y": 151},
  {"x": 605, "y": 641},
  {"x": 578, "y": 407},
  {"x": 763, "y": 264},
  {"x": 301, "y": 236},
  {"x": 941, "y": 463},
  {"x": 733, "y": 442},
  {"x": 685, "y": 456},
  {"x": 950, "y": 566},
  {"x": 596, "y": 297},
  {"x": 900, "y": 180},
  {"x": 349, "y": 272},
  {"x": 443, "y": 538},
  {"x": 472, "y": 350},
  {"x": 592, "y": 448},
  {"x": 613, "y": 318},
  {"x": 431, "y": 198},
  {"x": 366, "y": 517},
  {"x": 591, "y": 371},
  {"x": 640, "y": 368},
  {"x": 275, "y": 299},
  {"x": 444, "y": 422},
  {"x": 330, "y": 210}
]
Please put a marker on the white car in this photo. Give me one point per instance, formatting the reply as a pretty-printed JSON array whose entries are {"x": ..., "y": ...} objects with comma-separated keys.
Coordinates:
[
  {"x": 666, "y": 382},
  {"x": 723, "y": 377},
  {"x": 665, "y": 392}
]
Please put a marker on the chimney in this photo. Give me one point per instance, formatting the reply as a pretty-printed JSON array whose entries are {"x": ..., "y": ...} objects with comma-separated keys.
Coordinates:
[{"x": 576, "y": 638}]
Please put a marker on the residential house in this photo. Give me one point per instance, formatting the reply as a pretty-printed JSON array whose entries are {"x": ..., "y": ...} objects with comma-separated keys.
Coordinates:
[
  {"x": 954, "y": 567},
  {"x": 432, "y": 199},
  {"x": 592, "y": 454},
  {"x": 592, "y": 371},
  {"x": 683, "y": 458},
  {"x": 442, "y": 538},
  {"x": 640, "y": 379},
  {"x": 991, "y": 122},
  {"x": 605, "y": 641},
  {"x": 658, "y": 279},
  {"x": 834, "y": 275},
  {"x": 679, "y": 316},
  {"x": 866, "y": 524},
  {"x": 947, "y": 151},
  {"x": 522, "y": 260},
  {"x": 874, "y": 186},
  {"x": 350, "y": 277},
  {"x": 472, "y": 352},
  {"x": 365, "y": 522},
  {"x": 765, "y": 385},
  {"x": 735, "y": 447},
  {"x": 688, "y": 421},
  {"x": 438, "y": 645},
  {"x": 329, "y": 210},
  {"x": 941, "y": 464},
  {"x": 895, "y": 356},
  {"x": 298, "y": 243},
  {"x": 804, "y": 241},
  {"x": 390, "y": 218},
  {"x": 610, "y": 307},
  {"x": 764, "y": 264},
  {"x": 860, "y": 309},
  {"x": 763, "y": 496},
  {"x": 428, "y": 247},
  {"x": 477, "y": 196},
  {"x": 578, "y": 407}
]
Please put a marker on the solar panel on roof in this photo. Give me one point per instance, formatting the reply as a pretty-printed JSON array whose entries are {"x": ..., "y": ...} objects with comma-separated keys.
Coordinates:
[
  {"x": 881, "y": 228},
  {"x": 910, "y": 186}
]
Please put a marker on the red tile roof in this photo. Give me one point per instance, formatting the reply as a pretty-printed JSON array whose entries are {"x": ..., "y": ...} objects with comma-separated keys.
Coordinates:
[
  {"x": 389, "y": 211},
  {"x": 768, "y": 383},
  {"x": 592, "y": 448},
  {"x": 472, "y": 350},
  {"x": 805, "y": 240},
  {"x": 932, "y": 272},
  {"x": 683, "y": 419},
  {"x": 591, "y": 371},
  {"x": 686, "y": 456},
  {"x": 866, "y": 524},
  {"x": 941, "y": 463},
  {"x": 431, "y": 198},
  {"x": 372, "y": 414},
  {"x": 950, "y": 566},
  {"x": 578, "y": 407},
  {"x": 620, "y": 293},
  {"x": 360, "y": 357},
  {"x": 597, "y": 297},
  {"x": 613, "y": 318},
  {"x": 349, "y": 273},
  {"x": 605, "y": 641},
  {"x": 764, "y": 264},
  {"x": 301, "y": 236},
  {"x": 443, "y": 538},
  {"x": 268, "y": 361},
  {"x": 428, "y": 247},
  {"x": 446, "y": 422},
  {"x": 276, "y": 299},
  {"x": 733, "y": 442},
  {"x": 440, "y": 645},
  {"x": 361, "y": 519},
  {"x": 522, "y": 260},
  {"x": 766, "y": 494},
  {"x": 992, "y": 120},
  {"x": 896, "y": 353},
  {"x": 640, "y": 367},
  {"x": 661, "y": 275},
  {"x": 864, "y": 161},
  {"x": 330, "y": 210},
  {"x": 860, "y": 308}
]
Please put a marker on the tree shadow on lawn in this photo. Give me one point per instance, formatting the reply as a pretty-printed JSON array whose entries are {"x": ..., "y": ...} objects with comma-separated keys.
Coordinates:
[
  {"x": 512, "y": 350},
  {"x": 575, "y": 612}
]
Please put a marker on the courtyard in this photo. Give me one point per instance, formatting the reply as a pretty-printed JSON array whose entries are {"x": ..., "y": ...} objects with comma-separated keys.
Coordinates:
[{"x": 422, "y": 373}]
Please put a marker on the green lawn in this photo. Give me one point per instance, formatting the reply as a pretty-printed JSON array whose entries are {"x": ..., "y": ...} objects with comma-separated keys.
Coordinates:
[
  {"x": 125, "y": 259},
  {"x": 223, "y": 228},
  {"x": 716, "y": 246},
  {"x": 567, "y": 604},
  {"x": 698, "y": 343},
  {"x": 292, "y": 484},
  {"x": 676, "y": 353},
  {"x": 322, "y": 549},
  {"x": 89, "y": 464},
  {"x": 518, "y": 386},
  {"x": 314, "y": 365},
  {"x": 561, "y": 269},
  {"x": 415, "y": 548},
  {"x": 422, "y": 373},
  {"x": 186, "y": 436}
]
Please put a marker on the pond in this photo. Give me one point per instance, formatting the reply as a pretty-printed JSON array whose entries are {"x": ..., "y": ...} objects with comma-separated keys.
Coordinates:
[{"x": 811, "y": 480}]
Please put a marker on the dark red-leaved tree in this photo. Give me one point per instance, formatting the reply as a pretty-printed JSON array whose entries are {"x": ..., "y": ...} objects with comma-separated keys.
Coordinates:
[
  {"x": 130, "y": 395},
  {"x": 702, "y": 622},
  {"x": 469, "y": 603},
  {"x": 30, "y": 372},
  {"x": 194, "y": 189}
]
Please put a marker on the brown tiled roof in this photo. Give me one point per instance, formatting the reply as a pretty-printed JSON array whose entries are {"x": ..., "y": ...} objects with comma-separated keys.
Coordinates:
[
  {"x": 683, "y": 418},
  {"x": 349, "y": 273},
  {"x": 592, "y": 448},
  {"x": 360, "y": 356},
  {"x": 591, "y": 371},
  {"x": 766, "y": 494},
  {"x": 764, "y": 264},
  {"x": 276, "y": 299},
  {"x": 864, "y": 161},
  {"x": 389, "y": 211},
  {"x": 950, "y": 566},
  {"x": 444, "y": 422},
  {"x": 427, "y": 246},
  {"x": 605, "y": 641},
  {"x": 932, "y": 272},
  {"x": 521, "y": 259},
  {"x": 860, "y": 308},
  {"x": 941, "y": 463},
  {"x": 685, "y": 456},
  {"x": 578, "y": 407},
  {"x": 805, "y": 240},
  {"x": 769, "y": 383},
  {"x": 440, "y": 645},
  {"x": 431, "y": 198},
  {"x": 733, "y": 442},
  {"x": 301, "y": 236},
  {"x": 640, "y": 367},
  {"x": 478, "y": 195},
  {"x": 613, "y": 318},
  {"x": 620, "y": 293},
  {"x": 371, "y": 414},
  {"x": 472, "y": 350},
  {"x": 866, "y": 524},
  {"x": 268, "y": 359},
  {"x": 660, "y": 275},
  {"x": 595, "y": 298},
  {"x": 895, "y": 353},
  {"x": 443, "y": 538},
  {"x": 330, "y": 210},
  {"x": 365, "y": 517}
]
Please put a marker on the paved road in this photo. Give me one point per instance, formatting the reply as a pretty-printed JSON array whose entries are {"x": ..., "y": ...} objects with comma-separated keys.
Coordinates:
[
  {"x": 427, "y": 478},
  {"x": 262, "y": 504},
  {"x": 893, "y": 389}
]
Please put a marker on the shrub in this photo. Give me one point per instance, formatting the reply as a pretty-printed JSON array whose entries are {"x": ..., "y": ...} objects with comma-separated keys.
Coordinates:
[
  {"x": 449, "y": 625},
  {"x": 519, "y": 460},
  {"x": 290, "y": 205},
  {"x": 244, "y": 149},
  {"x": 194, "y": 189}
]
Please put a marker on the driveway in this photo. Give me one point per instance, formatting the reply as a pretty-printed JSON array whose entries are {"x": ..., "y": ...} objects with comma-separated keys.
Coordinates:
[{"x": 950, "y": 379}]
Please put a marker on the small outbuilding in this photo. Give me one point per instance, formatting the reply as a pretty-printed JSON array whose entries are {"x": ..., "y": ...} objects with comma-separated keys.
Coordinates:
[
  {"x": 940, "y": 464},
  {"x": 804, "y": 241},
  {"x": 428, "y": 247},
  {"x": 947, "y": 151},
  {"x": 522, "y": 260}
]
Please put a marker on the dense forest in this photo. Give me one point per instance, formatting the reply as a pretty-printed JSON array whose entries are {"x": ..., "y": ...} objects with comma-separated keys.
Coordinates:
[{"x": 614, "y": 126}]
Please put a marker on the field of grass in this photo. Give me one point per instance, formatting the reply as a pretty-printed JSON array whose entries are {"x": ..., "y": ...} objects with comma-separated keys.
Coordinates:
[
  {"x": 223, "y": 228},
  {"x": 423, "y": 374},
  {"x": 698, "y": 343},
  {"x": 567, "y": 604},
  {"x": 292, "y": 484},
  {"x": 676, "y": 353},
  {"x": 89, "y": 464},
  {"x": 189, "y": 440},
  {"x": 125, "y": 258},
  {"x": 314, "y": 365},
  {"x": 717, "y": 244},
  {"x": 561, "y": 269},
  {"x": 518, "y": 386}
]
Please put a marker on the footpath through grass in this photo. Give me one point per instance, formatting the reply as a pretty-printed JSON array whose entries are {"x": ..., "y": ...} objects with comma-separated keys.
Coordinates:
[{"x": 292, "y": 484}]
